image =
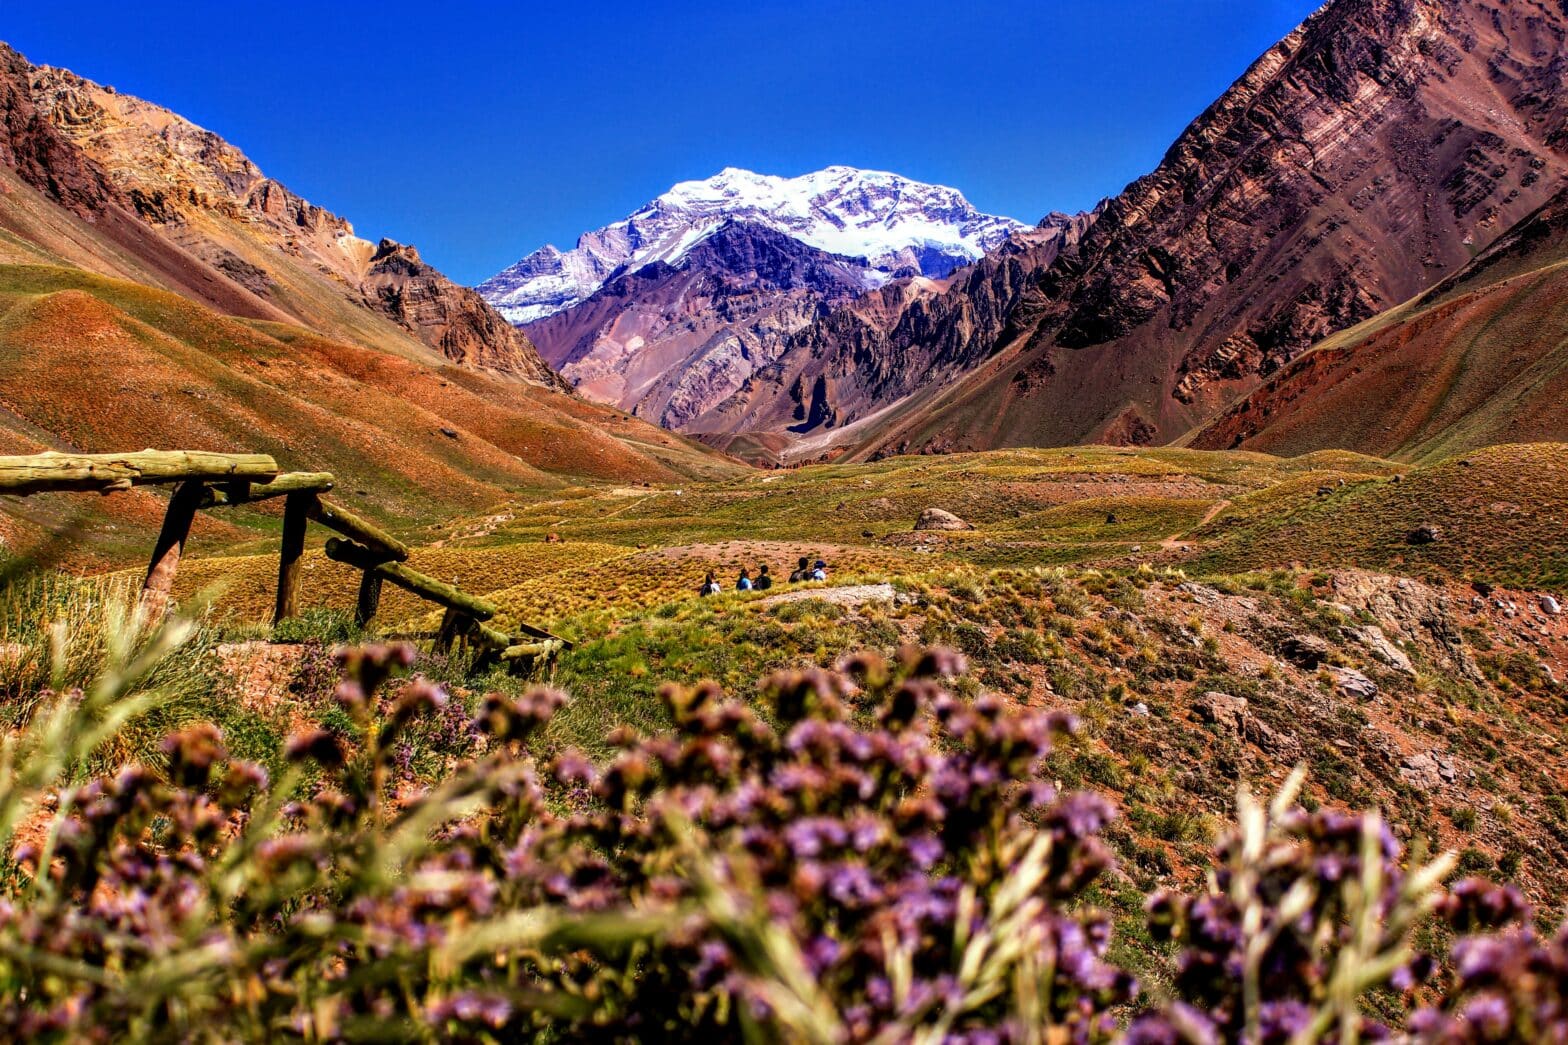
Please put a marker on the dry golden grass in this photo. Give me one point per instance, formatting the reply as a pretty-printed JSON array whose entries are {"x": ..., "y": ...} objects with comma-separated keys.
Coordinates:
[{"x": 246, "y": 585}]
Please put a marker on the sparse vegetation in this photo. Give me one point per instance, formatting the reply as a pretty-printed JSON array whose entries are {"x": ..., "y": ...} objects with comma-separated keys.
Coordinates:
[{"x": 1128, "y": 642}]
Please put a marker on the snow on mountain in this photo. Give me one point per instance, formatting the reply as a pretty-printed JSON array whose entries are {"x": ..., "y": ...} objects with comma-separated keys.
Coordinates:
[{"x": 899, "y": 226}]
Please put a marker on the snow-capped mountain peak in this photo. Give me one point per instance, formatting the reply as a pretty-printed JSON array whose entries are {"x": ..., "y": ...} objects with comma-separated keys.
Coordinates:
[{"x": 898, "y": 226}]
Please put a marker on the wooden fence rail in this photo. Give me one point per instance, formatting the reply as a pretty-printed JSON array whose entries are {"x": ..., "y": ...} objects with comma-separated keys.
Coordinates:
[{"x": 204, "y": 480}]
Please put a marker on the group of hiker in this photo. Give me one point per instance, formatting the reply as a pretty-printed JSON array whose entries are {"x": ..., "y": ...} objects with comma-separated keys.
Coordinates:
[{"x": 805, "y": 571}]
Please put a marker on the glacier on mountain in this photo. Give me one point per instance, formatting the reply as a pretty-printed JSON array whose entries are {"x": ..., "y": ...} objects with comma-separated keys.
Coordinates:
[{"x": 896, "y": 226}]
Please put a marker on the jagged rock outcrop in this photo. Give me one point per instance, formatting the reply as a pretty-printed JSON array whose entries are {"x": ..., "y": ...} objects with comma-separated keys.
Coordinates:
[
  {"x": 451, "y": 318},
  {"x": 1358, "y": 162}
]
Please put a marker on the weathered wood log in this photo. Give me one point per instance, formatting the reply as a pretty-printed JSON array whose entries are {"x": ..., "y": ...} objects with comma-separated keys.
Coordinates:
[
  {"x": 495, "y": 638},
  {"x": 245, "y": 492},
  {"x": 369, "y": 598},
  {"x": 36, "y": 473},
  {"x": 410, "y": 579},
  {"x": 171, "y": 544},
  {"x": 539, "y": 633},
  {"x": 523, "y": 650},
  {"x": 336, "y": 517},
  {"x": 294, "y": 523},
  {"x": 492, "y": 638}
]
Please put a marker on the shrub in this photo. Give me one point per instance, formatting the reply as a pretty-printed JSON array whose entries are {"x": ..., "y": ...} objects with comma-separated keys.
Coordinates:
[{"x": 875, "y": 859}]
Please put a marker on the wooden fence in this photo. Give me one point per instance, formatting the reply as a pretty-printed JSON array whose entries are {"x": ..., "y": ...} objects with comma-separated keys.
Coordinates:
[{"x": 208, "y": 480}]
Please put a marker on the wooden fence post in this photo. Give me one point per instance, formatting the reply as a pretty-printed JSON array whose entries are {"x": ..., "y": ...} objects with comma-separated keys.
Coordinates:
[
  {"x": 295, "y": 506},
  {"x": 369, "y": 598},
  {"x": 171, "y": 543},
  {"x": 455, "y": 625}
]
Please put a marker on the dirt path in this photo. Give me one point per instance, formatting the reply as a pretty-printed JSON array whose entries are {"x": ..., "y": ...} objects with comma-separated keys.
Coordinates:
[
  {"x": 843, "y": 595},
  {"x": 1175, "y": 541}
]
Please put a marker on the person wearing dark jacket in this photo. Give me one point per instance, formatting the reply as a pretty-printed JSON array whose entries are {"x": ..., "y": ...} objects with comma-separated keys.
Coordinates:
[
  {"x": 710, "y": 585},
  {"x": 764, "y": 578},
  {"x": 802, "y": 572}
]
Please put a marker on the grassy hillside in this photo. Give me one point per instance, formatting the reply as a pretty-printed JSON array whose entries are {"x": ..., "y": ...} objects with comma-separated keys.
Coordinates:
[
  {"x": 96, "y": 364},
  {"x": 1179, "y": 655},
  {"x": 1498, "y": 515}
]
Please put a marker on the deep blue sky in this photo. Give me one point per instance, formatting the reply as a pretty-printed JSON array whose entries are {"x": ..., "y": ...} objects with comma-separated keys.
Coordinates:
[{"x": 479, "y": 131}]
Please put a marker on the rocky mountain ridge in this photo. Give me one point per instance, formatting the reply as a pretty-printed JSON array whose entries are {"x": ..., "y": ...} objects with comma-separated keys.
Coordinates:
[
  {"x": 842, "y": 370},
  {"x": 897, "y": 226},
  {"x": 1358, "y": 162},
  {"x": 669, "y": 341},
  {"x": 1480, "y": 358},
  {"x": 216, "y": 228}
]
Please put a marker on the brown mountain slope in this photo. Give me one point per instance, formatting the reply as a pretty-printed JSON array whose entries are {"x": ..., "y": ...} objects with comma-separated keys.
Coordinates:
[
  {"x": 671, "y": 342},
  {"x": 95, "y": 364},
  {"x": 1482, "y": 358},
  {"x": 834, "y": 376},
  {"x": 174, "y": 206},
  {"x": 1355, "y": 164},
  {"x": 156, "y": 290}
]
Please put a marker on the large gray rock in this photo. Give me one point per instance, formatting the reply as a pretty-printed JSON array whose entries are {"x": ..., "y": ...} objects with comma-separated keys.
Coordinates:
[
  {"x": 1222, "y": 709},
  {"x": 1307, "y": 651},
  {"x": 1352, "y": 683},
  {"x": 1427, "y": 770},
  {"x": 1373, "y": 639},
  {"x": 940, "y": 519},
  {"x": 1414, "y": 612}
]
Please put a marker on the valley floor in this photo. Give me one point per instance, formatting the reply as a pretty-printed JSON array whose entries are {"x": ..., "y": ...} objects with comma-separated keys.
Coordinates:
[{"x": 1210, "y": 617}]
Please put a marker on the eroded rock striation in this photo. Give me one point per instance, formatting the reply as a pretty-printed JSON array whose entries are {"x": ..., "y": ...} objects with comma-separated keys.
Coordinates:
[{"x": 1358, "y": 162}]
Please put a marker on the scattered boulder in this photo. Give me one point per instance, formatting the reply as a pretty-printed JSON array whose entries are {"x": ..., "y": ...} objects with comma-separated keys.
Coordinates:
[
  {"x": 450, "y": 433},
  {"x": 1110, "y": 519},
  {"x": 1222, "y": 709},
  {"x": 1373, "y": 639},
  {"x": 1427, "y": 770},
  {"x": 1272, "y": 740},
  {"x": 1306, "y": 651},
  {"x": 1202, "y": 594},
  {"x": 1140, "y": 709},
  {"x": 1423, "y": 535},
  {"x": 1550, "y": 606},
  {"x": 940, "y": 519},
  {"x": 1353, "y": 683}
]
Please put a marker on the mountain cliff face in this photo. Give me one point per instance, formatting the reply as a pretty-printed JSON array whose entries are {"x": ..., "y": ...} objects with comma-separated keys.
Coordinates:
[
  {"x": 191, "y": 213},
  {"x": 842, "y": 370},
  {"x": 1481, "y": 358},
  {"x": 671, "y": 312},
  {"x": 1372, "y": 152},
  {"x": 894, "y": 225},
  {"x": 670, "y": 341}
]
